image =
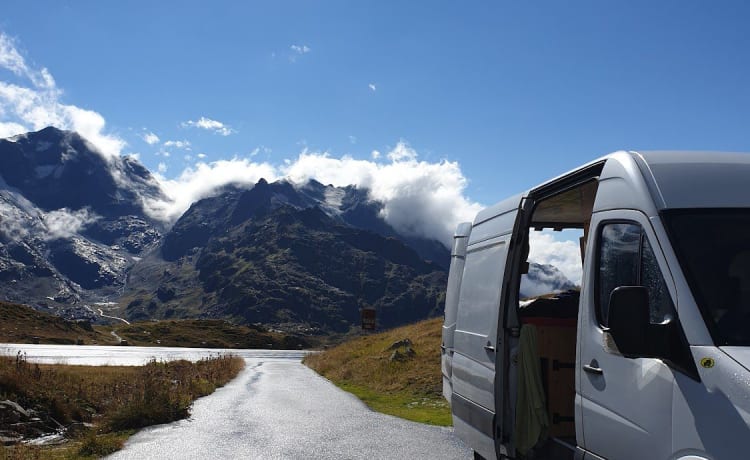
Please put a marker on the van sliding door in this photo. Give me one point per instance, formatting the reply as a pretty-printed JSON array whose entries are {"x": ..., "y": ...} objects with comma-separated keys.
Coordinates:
[{"x": 478, "y": 348}]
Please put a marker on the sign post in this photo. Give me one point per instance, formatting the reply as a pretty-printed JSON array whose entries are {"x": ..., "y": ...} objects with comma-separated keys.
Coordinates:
[{"x": 368, "y": 319}]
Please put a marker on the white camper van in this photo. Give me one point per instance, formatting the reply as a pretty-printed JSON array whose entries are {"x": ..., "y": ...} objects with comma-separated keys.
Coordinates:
[{"x": 650, "y": 358}]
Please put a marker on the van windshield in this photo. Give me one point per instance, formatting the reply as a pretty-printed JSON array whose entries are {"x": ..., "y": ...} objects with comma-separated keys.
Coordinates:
[{"x": 713, "y": 247}]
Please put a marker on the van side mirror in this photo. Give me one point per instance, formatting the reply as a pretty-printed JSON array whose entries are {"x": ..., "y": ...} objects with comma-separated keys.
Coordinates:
[{"x": 629, "y": 320}]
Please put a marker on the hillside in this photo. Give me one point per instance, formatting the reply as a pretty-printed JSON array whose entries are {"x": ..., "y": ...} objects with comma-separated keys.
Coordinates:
[
  {"x": 249, "y": 256},
  {"x": 409, "y": 386},
  {"x": 206, "y": 334},
  {"x": 22, "y": 324}
]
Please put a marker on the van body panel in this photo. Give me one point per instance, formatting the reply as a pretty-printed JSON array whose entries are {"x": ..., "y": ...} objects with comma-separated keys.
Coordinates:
[
  {"x": 477, "y": 340},
  {"x": 621, "y": 186},
  {"x": 492, "y": 212},
  {"x": 476, "y": 325},
  {"x": 630, "y": 402},
  {"x": 712, "y": 417},
  {"x": 455, "y": 274}
]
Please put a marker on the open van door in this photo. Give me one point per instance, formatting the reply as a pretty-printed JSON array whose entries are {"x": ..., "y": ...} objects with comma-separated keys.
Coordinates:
[{"x": 478, "y": 338}]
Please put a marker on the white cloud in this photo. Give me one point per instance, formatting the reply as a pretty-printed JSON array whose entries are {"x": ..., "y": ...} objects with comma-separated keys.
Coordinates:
[
  {"x": 201, "y": 155},
  {"x": 564, "y": 255},
  {"x": 352, "y": 139},
  {"x": 8, "y": 129},
  {"x": 420, "y": 198},
  {"x": 297, "y": 51},
  {"x": 209, "y": 124},
  {"x": 162, "y": 168},
  {"x": 372, "y": 87},
  {"x": 300, "y": 49},
  {"x": 204, "y": 180},
  {"x": 35, "y": 103},
  {"x": 177, "y": 144},
  {"x": 150, "y": 138},
  {"x": 402, "y": 152},
  {"x": 375, "y": 154},
  {"x": 10, "y": 58},
  {"x": 64, "y": 223}
]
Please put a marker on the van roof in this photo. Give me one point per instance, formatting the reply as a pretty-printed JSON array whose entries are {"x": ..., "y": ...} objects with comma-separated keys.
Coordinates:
[
  {"x": 675, "y": 179},
  {"x": 698, "y": 179}
]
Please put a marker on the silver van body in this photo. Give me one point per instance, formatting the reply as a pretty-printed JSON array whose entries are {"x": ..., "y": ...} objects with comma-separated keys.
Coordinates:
[
  {"x": 455, "y": 274},
  {"x": 663, "y": 232}
]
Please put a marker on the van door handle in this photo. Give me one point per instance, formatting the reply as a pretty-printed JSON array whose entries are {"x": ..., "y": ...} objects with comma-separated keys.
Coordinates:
[
  {"x": 489, "y": 348},
  {"x": 592, "y": 369}
]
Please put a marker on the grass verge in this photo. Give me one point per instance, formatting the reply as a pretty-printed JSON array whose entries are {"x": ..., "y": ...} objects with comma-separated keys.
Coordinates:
[
  {"x": 101, "y": 406},
  {"x": 409, "y": 387}
]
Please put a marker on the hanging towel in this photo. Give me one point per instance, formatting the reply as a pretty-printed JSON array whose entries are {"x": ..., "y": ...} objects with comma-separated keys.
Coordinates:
[{"x": 531, "y": 413}]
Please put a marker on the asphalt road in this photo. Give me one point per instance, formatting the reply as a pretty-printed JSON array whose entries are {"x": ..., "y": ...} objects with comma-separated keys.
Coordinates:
[
  {"x": 277, "y": 408},
  {"x": 280, "y": 409}
]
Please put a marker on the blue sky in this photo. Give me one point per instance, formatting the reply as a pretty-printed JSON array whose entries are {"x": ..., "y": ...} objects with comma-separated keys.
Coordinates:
[{"x": 512, "y": 92}]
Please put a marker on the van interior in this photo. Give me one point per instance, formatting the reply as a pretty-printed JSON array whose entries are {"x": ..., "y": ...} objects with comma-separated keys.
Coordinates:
[{"x": 551, "y": 318}]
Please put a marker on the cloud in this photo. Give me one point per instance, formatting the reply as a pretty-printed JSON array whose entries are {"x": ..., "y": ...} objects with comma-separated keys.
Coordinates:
[
  {"x": 297, "y": 51},
  {"x": 64, "y": 223},
  {"x": 162, "y": 168},
  {"x": 150, "y": 138},
  {"x": 201, "y": 155},
  {"x": 34, "y": 102},
  {"x": 372, "y": 87},
  {"x": 420, "y": 198},
  {"x": 8, "y": 129},
  {"x": 352, "y": 139},
  {"x": 564, "y": 255},
  {"x": 300, "y": 49},
  {"x": 209, "y": 124},
  {"x": 177, "y": 144},
  {"x": 204, "y": 180}
]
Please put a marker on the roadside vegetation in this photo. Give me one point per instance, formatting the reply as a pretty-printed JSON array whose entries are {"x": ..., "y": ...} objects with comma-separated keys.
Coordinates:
[
  {"x": 380, "y": 370},
  {"x": 23, "y": 324},
  {"x": 97, "y": 408}
]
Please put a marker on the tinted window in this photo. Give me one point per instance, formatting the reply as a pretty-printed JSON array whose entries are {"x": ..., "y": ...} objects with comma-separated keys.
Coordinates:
[
  {"x": 713, "y": 248},
  {"x": 626, "y": 258}
]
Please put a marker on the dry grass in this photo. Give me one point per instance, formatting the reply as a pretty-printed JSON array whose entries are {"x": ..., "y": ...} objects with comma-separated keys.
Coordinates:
[
  {"x": 112, "y": 398},
  {"x": 410, "y": 389}
]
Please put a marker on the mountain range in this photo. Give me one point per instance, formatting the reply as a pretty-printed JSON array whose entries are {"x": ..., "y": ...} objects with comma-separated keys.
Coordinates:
[{"x": 77, "y": 236}]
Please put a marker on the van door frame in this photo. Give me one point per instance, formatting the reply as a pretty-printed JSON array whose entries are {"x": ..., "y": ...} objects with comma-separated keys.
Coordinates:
[{"x": 508, "y": 324}]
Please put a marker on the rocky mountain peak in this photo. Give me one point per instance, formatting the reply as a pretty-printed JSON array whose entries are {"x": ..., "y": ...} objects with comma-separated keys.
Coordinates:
[{"x": 58, "y": 169}]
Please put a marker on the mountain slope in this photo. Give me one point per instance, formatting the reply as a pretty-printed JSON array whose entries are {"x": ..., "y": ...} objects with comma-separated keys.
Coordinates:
[
  {"x": 71, "y": 220},
  {"x": 282, "y": 265}
]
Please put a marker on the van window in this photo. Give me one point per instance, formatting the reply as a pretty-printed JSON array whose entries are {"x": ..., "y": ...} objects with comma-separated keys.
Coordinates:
[
  {"x": 713, "y": 248},
  {"x": 626, "y": 258}
]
